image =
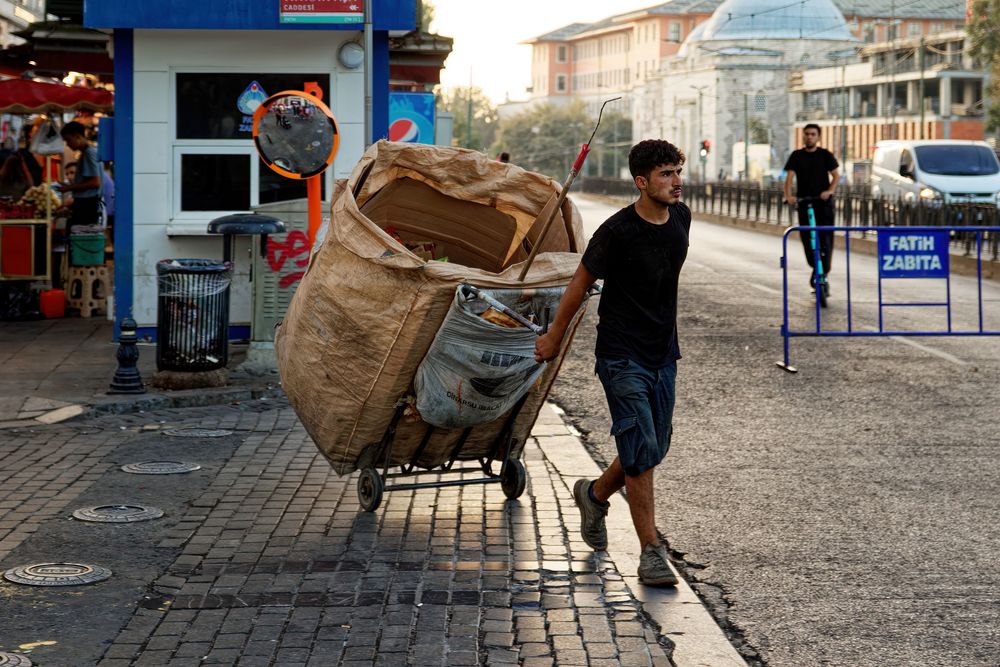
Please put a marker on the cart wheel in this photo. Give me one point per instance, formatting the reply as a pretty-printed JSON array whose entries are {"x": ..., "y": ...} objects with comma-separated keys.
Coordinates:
[
  {"x": 513, "y": 479},
  {"x": 370, "y": 486}
]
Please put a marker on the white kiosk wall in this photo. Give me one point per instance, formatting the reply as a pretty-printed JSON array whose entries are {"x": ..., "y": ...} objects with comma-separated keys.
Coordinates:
[{"x": 162, "y": 229}]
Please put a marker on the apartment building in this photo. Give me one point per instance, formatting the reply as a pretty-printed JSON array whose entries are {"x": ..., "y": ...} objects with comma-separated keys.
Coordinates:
[
  {"x": 695, "y": 70},
  {"x": 592, "y": 61},
  {"x": 925, "y": 87},
  {"x": 17, "y": 15},
  {"x": 613, "y": 56}
]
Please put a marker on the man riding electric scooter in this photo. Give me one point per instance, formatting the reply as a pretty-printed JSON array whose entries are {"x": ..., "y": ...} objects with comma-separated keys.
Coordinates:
[{"x": 816, "y": 175}]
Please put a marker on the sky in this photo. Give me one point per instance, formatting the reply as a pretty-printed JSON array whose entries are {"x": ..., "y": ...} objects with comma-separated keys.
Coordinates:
[{"x": 488, "y": 34}]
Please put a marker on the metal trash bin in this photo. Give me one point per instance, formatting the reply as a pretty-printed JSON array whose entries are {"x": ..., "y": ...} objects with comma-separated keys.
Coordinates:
[{"x": 192, "y": 314}]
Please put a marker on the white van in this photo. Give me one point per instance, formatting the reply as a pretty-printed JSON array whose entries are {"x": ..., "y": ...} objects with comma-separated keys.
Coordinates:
[{"x": 941, "y": 170}]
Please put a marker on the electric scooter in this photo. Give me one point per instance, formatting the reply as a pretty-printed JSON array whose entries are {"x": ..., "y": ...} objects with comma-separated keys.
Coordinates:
[{"x": 822, "y": 287}]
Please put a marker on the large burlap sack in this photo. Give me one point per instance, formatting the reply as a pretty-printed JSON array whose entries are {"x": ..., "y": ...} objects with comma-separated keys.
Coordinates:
[{"x": 367, "y": 310}]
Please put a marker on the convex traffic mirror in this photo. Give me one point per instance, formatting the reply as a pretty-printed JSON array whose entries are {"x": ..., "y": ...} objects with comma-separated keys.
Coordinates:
[{"x": 296, "y": 134}]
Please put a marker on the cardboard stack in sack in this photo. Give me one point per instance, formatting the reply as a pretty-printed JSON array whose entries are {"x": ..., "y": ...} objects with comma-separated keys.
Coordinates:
[{"x": 366, "y": 312}]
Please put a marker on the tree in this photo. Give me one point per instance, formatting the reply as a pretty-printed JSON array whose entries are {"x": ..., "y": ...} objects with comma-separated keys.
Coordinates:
[
  {"x": 425, "y": 14},
  {"x": 759, "y": 133},
  {"x": 611, "y": 145},
  {"x": 462, "y": 100},
  {"x": 547, "y": 138},
  {"x": 983, "y": 29}
]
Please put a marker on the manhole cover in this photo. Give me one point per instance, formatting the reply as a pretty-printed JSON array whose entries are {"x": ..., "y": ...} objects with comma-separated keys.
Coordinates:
[
  {"x": 57, "y": 574},
  {"x": 13, "y": 660},
  {"x": 118, "y": 513},
  {"x": 160, "y": 467},
  {"x": 196, "y": 432}
]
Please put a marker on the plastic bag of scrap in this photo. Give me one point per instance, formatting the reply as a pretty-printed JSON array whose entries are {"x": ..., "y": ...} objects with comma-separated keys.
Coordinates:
[{"x": 482, "y": 359}]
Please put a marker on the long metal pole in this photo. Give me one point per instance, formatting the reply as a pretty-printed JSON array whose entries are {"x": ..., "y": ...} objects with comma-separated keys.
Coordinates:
[
  {"x": 615, "y": 148},
  {"x": 892, "y": 71},
  {"x": 468, "y": 116},
  {"x": 369, "y": 75},
  {"x": 701, "y": 135},
  {"x": 843, "y": 113},
  {"x": 920, "y": 55},
  {"x": 746, "y": 137}
]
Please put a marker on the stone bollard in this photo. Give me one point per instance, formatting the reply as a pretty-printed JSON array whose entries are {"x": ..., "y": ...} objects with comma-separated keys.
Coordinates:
[{"x": 127, "y": 379}]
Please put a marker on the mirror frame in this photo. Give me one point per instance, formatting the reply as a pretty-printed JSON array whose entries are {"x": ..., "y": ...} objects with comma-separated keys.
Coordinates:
[{"x": 265, "y": 106}]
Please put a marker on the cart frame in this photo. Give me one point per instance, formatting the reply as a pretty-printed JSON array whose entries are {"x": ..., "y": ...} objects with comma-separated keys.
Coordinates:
[{"x": 512, "y": 476}]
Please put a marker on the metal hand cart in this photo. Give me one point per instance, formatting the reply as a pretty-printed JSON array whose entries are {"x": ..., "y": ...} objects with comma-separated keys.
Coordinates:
[{"x": 512, "y": 475}]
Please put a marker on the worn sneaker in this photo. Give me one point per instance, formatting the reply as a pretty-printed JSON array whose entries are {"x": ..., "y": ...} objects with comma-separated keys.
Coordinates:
[
  {"x": 592, "y": 514},
  {"x": 654, "y": 568}
]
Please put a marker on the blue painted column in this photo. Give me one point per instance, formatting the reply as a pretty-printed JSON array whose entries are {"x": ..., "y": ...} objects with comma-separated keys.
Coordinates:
[
  {"x": 380, "y": 85},
  {"x": 124, "y": 174}
]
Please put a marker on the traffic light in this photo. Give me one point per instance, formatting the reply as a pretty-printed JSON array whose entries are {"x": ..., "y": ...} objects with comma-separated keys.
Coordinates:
[{"x": 706, "y": 147}]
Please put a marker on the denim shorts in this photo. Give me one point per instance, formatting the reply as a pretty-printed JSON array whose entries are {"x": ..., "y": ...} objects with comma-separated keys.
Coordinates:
[{"x": 641, "y": 401}]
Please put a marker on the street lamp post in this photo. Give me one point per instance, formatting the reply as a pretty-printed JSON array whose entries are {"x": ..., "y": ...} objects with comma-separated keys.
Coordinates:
[
  {"x": 701, "y": 135},
  {"x": 468, "y": 120},
  {"x": 844, "y": 97},
  {"x": 614, "y": 147},
  {"x": 746, "y": 137},
  {"x": 893, "y": 28},
  {"x": 840, "y": 58},
  {"x": 920, "y": 94}
]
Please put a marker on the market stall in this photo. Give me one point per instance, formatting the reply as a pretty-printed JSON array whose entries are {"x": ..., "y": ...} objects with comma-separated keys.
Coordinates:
[{"x": 26, "y": 222}]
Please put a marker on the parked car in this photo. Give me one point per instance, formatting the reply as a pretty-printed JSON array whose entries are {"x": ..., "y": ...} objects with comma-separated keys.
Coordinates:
[{"x": 936, "y": 171}]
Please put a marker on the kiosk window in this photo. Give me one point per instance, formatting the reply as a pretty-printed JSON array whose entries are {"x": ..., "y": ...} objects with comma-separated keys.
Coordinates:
[
  {"x": 213, "y": 182},
  {"x": 220, "y": 106}
]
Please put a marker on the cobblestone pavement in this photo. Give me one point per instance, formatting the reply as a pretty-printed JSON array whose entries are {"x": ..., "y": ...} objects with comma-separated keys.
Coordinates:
[{"x": 271, "y": 561}]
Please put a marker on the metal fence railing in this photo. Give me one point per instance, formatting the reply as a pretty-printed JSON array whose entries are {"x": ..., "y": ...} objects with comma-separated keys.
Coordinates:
[{"x": 855, "y": 207}]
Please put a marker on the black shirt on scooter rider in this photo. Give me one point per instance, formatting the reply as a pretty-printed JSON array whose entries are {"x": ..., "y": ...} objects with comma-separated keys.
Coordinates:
[{"x": 816, "y": 175}]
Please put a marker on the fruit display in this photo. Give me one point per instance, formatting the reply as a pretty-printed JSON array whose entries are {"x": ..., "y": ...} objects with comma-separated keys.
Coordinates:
[
  {"x": 37, "y": 195},
  {"x": 11, "y": 210}
]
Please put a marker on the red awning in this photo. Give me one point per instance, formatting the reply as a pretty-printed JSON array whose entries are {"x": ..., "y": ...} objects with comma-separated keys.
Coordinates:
[{"x": 23, "y": 96}]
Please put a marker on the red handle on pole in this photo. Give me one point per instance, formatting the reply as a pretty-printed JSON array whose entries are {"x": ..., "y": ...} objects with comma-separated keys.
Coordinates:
[{"x": 584, "y": 150}]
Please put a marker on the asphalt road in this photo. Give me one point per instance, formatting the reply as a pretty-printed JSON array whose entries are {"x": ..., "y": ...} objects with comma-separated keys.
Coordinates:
[{"x": 845, "y": 515}]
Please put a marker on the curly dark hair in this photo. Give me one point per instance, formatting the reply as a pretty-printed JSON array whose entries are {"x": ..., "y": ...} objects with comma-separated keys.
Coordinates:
[
  {"x": 73, "y": 127},
  {"x": 647, "y": 155}
]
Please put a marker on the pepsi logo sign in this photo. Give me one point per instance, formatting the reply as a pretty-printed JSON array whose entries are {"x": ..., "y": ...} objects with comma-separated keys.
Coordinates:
[{"x": 404, "y": 129}]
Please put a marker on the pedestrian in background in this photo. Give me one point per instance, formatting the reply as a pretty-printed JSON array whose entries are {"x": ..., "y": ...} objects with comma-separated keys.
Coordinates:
[
  {"x": 816, "y": 175},
  {"x": 108, "y": 196},
  {"x": 86, "y": 185},
  {"x": 639, "y": 252},
  {"x": 69, "y": 175},
  {"x": 14, "y": 177}
]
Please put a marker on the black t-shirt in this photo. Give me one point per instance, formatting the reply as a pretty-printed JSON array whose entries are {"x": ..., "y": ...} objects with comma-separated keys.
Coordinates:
[
  {"x": 812, "y": 170},
  {"x": 640, "y": 263}
]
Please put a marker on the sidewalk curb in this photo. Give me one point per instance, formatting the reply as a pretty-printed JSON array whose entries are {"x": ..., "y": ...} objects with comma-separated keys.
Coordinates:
[
  {"x": 698, "y": 639},
  {"x": 189, "y": 398}
]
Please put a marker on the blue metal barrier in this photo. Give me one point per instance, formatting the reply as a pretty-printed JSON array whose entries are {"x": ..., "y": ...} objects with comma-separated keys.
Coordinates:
[{"x": 903, "y": 253}]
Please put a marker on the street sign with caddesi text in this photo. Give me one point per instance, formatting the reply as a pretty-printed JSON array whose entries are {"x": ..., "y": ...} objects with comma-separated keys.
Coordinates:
[{"x": 322, "y": 11}]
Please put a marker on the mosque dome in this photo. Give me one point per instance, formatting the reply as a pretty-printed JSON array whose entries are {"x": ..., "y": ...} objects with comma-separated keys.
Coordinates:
[
  {"x": 776, "y": 19},
  {"x": 694, "y": 36}
]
